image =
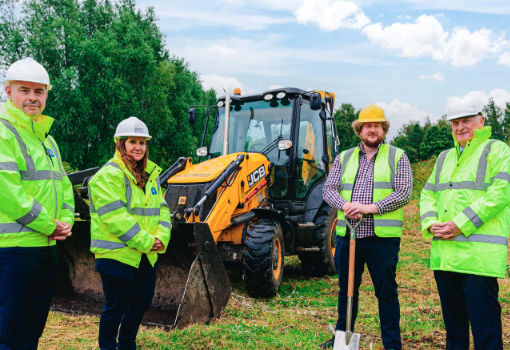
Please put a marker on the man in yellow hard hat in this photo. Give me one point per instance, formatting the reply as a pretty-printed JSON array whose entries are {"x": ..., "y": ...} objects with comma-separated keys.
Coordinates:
[
  {"x": 465, "y": 209},
  {"x": 373, "y": 179},
  {"x": 36, "y": 206}
]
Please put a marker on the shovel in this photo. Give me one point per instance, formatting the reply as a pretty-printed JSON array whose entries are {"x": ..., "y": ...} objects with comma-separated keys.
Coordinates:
[{"x": 348, "y": 340}]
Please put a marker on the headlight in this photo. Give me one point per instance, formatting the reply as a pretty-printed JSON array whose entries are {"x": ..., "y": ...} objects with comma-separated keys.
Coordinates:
[
  {"x": 220, "y": 103},
  {"x": 280, "y": 95},
  {"x": 268, "y": 97},
  {"x": 202, "y": 151}
]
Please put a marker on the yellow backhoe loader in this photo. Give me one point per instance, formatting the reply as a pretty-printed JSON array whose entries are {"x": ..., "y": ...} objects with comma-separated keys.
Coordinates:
[{"x": 254, "y": 199}]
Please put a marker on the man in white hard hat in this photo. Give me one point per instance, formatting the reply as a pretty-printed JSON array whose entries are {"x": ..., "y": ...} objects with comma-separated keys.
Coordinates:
[
  {"x": 36, "y": 206},
  {"x": 465, "y": 209}
]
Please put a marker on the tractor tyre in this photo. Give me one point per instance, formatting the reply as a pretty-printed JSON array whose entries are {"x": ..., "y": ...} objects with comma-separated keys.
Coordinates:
[
  {"x": 322, "y": 263},
  {"x": 263, "y": 258}
]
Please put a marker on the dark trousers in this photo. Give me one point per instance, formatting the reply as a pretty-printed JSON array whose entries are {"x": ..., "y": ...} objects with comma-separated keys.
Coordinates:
[
  {"x": 470, "y": 299},
  {"x": 381, "y": 257},
  {"x": 27, "y": 284},
  {"x": 126, "y": 301}
]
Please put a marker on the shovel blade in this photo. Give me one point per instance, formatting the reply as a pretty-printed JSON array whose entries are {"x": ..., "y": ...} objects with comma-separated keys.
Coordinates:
[{"x": 346, "y": 341}]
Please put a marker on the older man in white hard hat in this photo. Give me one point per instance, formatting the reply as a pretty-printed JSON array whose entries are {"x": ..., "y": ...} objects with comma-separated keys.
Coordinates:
[
  {"x": 36, "y": 206},
  {"x": 465, "y": 209}
]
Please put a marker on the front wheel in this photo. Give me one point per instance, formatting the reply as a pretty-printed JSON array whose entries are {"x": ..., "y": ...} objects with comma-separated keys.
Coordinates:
[{"x": 263, "y": 258}]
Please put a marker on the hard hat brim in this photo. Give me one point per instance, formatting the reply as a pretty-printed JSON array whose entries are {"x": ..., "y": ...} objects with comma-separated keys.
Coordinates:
[
  {"x": 461, "y": 115},
  {"x": 48, "y": 86},
  {"x": 125, "y": 136},
  {"x": 372, "y": 120}
]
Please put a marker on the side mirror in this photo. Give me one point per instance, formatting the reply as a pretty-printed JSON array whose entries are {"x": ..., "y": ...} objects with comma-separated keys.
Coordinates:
[
  {"x": 202, "y": 151},
  {"x": 284, "y": 145},
  {"x": 192, "y": 115},
  {"x": 315, "y": 101}
]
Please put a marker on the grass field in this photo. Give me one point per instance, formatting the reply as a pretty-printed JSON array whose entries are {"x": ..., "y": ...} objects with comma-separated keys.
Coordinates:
[{"x": 300, "y": 316}]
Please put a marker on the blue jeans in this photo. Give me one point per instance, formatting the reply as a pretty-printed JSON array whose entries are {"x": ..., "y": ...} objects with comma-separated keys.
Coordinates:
[
  {"x": 27, "y": 283},
  {"x": 470, "y": 299},
  {"x": 381, "y": 257},
  {"x": 126, "y": 301}
]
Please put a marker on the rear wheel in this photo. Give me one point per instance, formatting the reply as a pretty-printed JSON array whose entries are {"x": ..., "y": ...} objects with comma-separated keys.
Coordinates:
[
  {"x": 322, "y": 263},
  {"x": 263, "y": 258}
]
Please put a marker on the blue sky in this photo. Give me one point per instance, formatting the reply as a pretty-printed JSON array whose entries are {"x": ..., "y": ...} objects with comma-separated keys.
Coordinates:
[{"x": 415, "y": 58}]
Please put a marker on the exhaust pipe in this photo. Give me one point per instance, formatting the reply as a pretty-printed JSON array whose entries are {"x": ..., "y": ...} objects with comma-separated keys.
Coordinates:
[{"x": 227, "y": 121}]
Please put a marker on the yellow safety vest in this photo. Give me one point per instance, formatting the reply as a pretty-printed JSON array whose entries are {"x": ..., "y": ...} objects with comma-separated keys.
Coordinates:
[
  {"x": 385, "y": 167},
  {"x": 125, "y": 219},
  {"x": 473, "y": 190},
  {"x": 34, "y": 187}
]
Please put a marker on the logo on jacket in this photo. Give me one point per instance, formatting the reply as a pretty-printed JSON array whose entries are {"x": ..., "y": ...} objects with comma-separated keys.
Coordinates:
[{"x": 153, "y": 190}]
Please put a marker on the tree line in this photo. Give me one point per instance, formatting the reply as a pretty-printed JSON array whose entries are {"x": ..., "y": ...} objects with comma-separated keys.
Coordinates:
[
  {"x": 421, "y": 142},
  {"x": 107, "y": 61}
]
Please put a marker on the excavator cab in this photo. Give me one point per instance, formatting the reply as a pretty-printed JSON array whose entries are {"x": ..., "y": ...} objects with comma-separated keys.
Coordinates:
[{"x": 293, "y": 135}]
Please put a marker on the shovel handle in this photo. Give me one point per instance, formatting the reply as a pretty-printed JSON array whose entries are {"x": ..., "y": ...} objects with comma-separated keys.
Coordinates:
[
  {"x": 352, "y": 229},
  {"x": 352, "y": 254},
  {"x": 350, "y": 285}
]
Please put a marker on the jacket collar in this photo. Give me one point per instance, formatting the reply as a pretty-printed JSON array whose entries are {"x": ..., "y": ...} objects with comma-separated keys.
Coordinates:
[
  {"x": 480, "y": 135},
  {"x": 40, "y": 127}
]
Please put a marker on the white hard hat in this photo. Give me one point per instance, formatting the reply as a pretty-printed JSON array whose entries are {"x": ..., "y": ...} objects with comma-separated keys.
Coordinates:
[
  {"x": 132, "y": 126},
  {"x": 471, "y": 112},
  {"x": 27, "y": 69}
]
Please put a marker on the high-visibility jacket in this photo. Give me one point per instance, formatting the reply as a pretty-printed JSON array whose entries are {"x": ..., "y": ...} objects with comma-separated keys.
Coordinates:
[
  {"x": 34, "y": 187},
  {"x": 473, "y": 190},
  {"x": 125, "y": 220},
  {"x": 385, "y": 167}
]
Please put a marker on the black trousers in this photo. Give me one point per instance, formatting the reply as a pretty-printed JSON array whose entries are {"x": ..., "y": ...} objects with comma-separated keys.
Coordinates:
[
  {"x": 126, "y": 301},
  {"x": 27, "y": 284},
  {"x": 381, "y": 257},
  {"x": 470, "y": 299}
]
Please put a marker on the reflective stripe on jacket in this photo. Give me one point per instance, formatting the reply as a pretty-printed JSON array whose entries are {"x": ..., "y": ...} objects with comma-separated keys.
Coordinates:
[
  {"x": 34, "y": 187},
  {"x": 125, "y": 220},
  {"x": 473, "y": 190},
  {"x": 385, "y": 166}
]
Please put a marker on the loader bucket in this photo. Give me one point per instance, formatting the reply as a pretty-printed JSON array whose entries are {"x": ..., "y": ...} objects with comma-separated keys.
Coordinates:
[{"x": 192, "y": 282}]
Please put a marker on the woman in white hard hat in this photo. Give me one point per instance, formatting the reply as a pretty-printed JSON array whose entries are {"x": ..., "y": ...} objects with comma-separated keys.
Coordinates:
[{"x": 130, "y": 226}]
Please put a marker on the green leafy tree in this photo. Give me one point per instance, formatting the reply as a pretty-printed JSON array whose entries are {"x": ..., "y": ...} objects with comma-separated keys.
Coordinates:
[
  {"x": 506, "y": 122},
  {"x": 344, "y": 116},
  {"x": 107, "y": 61},
  {"x": 409, "y": 138},
  {"x": 495, "y": 119},
  {"x": 437, "y": 138}
]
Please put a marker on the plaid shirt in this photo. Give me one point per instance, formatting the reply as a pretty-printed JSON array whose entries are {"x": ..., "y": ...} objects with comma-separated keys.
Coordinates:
[{"x": 362, "y": 192}]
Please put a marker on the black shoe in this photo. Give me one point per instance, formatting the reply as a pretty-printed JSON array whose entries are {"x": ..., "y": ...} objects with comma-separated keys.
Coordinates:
[{"x": 329, "y": 344}]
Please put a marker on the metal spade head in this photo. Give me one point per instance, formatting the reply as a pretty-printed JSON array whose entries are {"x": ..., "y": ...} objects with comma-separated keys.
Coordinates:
[{"x": 346, "y": 340}]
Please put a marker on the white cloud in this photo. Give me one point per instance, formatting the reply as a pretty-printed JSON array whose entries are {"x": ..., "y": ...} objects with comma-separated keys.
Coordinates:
[
  {"x": 330, "y": 15},
  {"x": 427, "y": 37},
  {"x": 476, "y": 100},
  {"x": 436, "y": 76},
  {"x": 400, "y": 113},
  {"x": 504, "y": 59}
]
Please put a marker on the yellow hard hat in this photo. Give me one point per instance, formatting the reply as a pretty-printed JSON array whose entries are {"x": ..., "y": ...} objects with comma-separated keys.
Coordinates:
[{"x": 371, "y": 113}]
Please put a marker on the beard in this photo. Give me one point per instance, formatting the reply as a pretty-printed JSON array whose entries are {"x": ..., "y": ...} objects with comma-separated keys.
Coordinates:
[{"x": 375, "y": 143}]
